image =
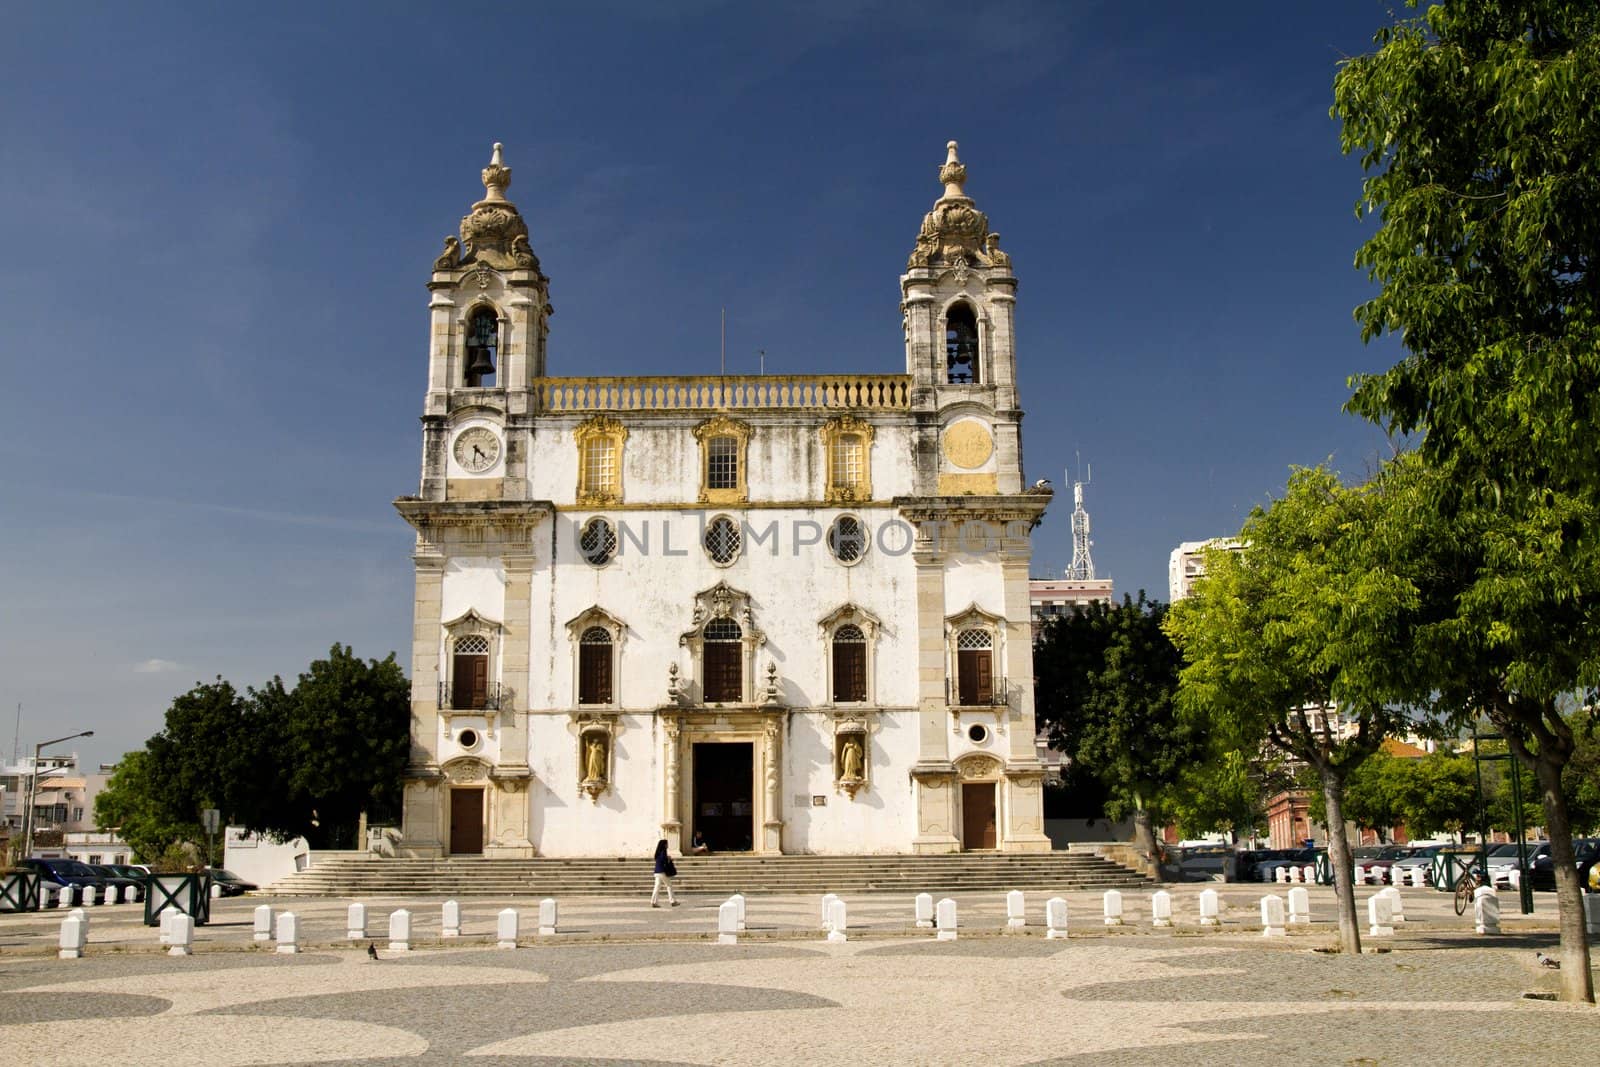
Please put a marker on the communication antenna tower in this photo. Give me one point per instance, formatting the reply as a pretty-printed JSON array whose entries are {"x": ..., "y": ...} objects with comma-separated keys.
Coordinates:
[{"x": 1082, "y": 565}]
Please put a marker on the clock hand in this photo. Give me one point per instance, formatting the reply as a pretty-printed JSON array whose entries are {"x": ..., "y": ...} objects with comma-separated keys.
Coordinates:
[{"x": 476, "y": 451}]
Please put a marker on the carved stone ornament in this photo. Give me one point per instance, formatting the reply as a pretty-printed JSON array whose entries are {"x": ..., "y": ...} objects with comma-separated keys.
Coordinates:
[
  {"x": 451, "y": 257},
  {"x": 594, "y": 755},
  {"x": 955, "y": 232},
  {"x": 975, "y": 768},
  {"x": 522, "y": 255},
  {"x": 772, "y": 692},
  {"x": 466, "y": 770},
  {"x": 674, "y": 685},
  {"x": 491, "y": 230}
]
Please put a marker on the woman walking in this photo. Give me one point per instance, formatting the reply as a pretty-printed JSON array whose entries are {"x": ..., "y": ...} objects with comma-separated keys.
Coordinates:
[{"x": 666, "y": 871}]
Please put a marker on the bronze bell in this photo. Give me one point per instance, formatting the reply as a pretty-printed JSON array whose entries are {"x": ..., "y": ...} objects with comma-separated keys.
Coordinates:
[{"x": 480, "y": 364}]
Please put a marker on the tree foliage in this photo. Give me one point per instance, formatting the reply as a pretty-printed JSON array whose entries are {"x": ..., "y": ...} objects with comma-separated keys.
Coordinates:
[
  {"x": 307, "y": 761},
  {"x": 1106, "y": 678},
  {"x": 1479, "y": 127}
]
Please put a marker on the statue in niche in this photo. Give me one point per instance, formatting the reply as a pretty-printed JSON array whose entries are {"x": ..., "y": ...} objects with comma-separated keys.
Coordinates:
[
  {"x": 850, "y": 760},
  {"x": 594, "y": 760}
]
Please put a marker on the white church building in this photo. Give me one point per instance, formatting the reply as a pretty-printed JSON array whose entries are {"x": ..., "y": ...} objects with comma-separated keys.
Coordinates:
[{"x": 786, "y": 613}]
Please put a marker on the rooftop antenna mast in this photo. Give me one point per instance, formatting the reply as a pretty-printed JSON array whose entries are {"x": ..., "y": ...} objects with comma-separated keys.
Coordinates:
[
  {"x": 1082, "y": 566},
  {"x": 16, "y": 738}
]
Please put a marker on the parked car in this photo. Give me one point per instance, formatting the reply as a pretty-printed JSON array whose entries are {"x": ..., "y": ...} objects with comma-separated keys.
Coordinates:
[
  {"x": 1202, "y": 863},
  {"x": 1503, "y": 859},
  {"x": 1542, "y": 875},
  {"x": 116, "y": 881},
  {"x": 1266, "y": 869},
  {"x": 1379, "y": 859},
  {"x": 1419, "y": 857},
  {"x": 67, "y": 873},
  {"x": 231, "y": 884}
]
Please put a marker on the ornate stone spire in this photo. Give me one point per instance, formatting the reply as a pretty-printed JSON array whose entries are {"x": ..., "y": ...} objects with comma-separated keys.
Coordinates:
[
  {"x": 955, "y": 233},
  {"x": 493, "y": 234}
]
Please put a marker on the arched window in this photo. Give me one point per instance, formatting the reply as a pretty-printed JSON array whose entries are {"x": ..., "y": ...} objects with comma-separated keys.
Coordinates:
[
  {"x": 723, "y": 662},
  {"x": 470, "y": 672},
  {"x": 483, "y": 347},
  {"x": 849, "y": 665},
  {"x": 961, "y": 345},
  {"x": 975, "y": 666},
  {"x": 594, "y": 666}
]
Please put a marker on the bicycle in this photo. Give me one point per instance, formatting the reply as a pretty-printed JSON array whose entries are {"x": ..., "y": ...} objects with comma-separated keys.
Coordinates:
[{"x": 1466, "y": 886}]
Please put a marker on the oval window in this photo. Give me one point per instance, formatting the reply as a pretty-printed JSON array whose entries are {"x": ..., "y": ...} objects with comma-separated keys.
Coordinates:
[
  {"x": 978, "y": 733},
  {"x": 722, "y": 540},
  {"x": 598, "y": 542},
  {"x": 467, "y": 738},
  {"x": 847, "y": 539}
]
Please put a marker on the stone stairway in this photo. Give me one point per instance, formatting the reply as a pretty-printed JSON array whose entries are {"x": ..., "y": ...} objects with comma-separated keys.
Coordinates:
[{"x": 355, "y": 875}]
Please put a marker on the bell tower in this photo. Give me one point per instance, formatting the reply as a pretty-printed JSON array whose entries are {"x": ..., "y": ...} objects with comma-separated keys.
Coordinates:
[
  {"x": 959, "y": 300},
  {"x": 490, "y": 315}
]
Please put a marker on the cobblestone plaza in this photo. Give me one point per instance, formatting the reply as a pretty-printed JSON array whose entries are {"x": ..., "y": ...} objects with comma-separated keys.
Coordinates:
[{"x": 621, "y": 983}]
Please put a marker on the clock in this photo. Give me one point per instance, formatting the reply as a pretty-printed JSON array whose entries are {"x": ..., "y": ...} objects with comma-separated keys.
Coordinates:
[{"x": 477, "y": 449}]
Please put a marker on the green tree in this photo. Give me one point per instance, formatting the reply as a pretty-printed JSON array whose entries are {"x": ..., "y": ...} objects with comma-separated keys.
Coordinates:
[
  {"x": 1106, "y": 676},
  {"x": 1479, "y": 128},
  {"x": 1223, "y": 792},
  {"x": 1298, "y": 623},
  {"x": 131, "y": 805},
  {"x": 1437, "y": 794}
]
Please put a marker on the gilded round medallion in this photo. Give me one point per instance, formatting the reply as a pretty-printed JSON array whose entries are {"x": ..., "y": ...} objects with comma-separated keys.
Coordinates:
[{"x": 968, "y": 444}]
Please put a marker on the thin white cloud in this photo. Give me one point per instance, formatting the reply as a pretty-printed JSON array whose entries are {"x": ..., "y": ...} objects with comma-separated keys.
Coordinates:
[{"x": 156, "y": 666}]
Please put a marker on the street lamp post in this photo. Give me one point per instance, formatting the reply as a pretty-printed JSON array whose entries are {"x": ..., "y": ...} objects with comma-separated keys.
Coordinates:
[{"x": 33, "y": 789}]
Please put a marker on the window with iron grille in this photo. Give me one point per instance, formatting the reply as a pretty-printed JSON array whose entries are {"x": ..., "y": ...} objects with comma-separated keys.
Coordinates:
[
  {"x": 722, "y": 539},
  {"x": 470, "y": 672},
  {"x": 594, "y": 666},
  {"x": 975, "y": 667},
  {"x": 849, "y": 665},
  {"x": 722, "y": 463},
  {"x": 847, "y": 461},
  {"x": 598, "y": 542},
  {"x": 847, "y": 540},
  {"x": 723, "y": 662}
]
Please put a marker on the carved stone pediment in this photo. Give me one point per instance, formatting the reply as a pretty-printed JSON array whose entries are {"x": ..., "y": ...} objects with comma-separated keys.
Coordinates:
[
  {"x": 723, "y": 601},
  {"x": 978, "y": 767},
  {"x": 466, "y": 770}
]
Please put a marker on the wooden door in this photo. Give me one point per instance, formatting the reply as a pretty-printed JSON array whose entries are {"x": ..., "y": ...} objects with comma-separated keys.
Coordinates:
[
  {"x": 471, "y": 680},
  {"x": 975, "y": 675},
  {"x": 466, "y": 822},
  {"x": 977, "y": 816}
]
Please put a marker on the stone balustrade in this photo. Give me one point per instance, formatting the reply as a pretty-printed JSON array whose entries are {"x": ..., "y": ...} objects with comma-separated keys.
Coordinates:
[{"x": 870, "y": 392}]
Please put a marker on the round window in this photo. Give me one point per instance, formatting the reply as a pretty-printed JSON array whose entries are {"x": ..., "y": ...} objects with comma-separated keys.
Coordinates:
[
  {"x": 467, "y": 738},
  {"x": 847, "y": 539},
  {"x": 722, "y": 540},
  {"x": 978, "y": 733},
  {"x": 598, "y": 542}
]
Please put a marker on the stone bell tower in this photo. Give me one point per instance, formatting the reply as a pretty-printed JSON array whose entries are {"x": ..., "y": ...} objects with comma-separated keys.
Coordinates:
[{"x": 959, "y": 300}]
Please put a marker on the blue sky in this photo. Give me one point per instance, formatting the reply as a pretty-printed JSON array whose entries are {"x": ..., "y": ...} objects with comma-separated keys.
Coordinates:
[{"x": 219, "y": 220}]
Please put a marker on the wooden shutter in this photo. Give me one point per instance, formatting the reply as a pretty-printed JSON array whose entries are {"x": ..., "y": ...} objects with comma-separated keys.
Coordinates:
[
  {"x": 471, "y": 681},
  {"x": 975, "y": 671},
  {"x": 724, "y": 678},
  {"x": 849, "y": 671},
  {"x": 594, "y": 674}
]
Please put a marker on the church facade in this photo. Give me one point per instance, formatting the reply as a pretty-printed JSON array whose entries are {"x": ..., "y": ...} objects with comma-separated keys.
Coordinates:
[{"x": 782, "y": 613}]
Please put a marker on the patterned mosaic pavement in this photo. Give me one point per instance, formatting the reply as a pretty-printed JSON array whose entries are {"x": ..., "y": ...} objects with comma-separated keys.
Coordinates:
[{"x": 889, "y": 995}]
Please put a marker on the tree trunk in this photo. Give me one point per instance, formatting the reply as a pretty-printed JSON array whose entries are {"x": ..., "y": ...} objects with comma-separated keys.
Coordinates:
[
  {"x": 1344, "y": 886},
  {"x": 1144, "y": 838},
  {"x": 1577, "y": 984}
]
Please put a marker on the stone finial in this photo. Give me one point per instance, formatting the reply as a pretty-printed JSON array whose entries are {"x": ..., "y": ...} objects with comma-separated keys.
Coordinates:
[
  {"x": 953, "y": 174},
  {"x": 497, "y": 176}
]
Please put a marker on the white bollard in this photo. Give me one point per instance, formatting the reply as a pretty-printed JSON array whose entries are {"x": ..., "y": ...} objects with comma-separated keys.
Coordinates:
[
  {"x": 1055, "y": 918},
  {"x": 288, "y": 933},
  {"x": 505, "y": 928},
  {"x": 1161, "y": 908},
  {"x": 1280, "y": 875},
  {"x": 166, "y": 926},
  {"x": 180, "y": 937},
  {"x": 1299, "y": 905},
  {"x": 1380, "y": 915},
  {"x": 728, "y": 923},
  {"x": 838, "y": 922},
  {"x": 1208, "y": 908},
  {"x": 1418, "y": 879},
  {"x": 82, "y": 916},
  {"x": 129, "y": 894},
  {"x": 1113, "y": 907},
  {"x": 451, "y": 919},
  {"x": 924, "y": 911},
  {"x": 355, "y": 922},
  {"x": 1514, "y": 876},
  {"x": 947, "y": 919},
  {"x": 400, "y": 931},
  {"x": 547, "y": 917},
  {"x": 738, "y": 899},
  {"x": 262, "y": 929},
  {"x": 1016, "y": 910},
  {"x": 1397, "y": 906},
  {"x": 216, "y": 891},
  {"x": 1362, "y": 874},
  {"x": 1308, "y": 875},
  {"x": 1591, "y": 913},
  {"x": 827, "y": 907},
  {"x": 1486, "y": 910},
  {"x": 73, "y": 938},
  {"x": 1272, "y": 915}
]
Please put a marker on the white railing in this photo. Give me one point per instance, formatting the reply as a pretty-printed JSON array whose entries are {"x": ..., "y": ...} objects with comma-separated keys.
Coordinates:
[{"x": 884, "y": 392}]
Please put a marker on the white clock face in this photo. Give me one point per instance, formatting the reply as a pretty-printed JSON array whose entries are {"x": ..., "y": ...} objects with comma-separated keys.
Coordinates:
[{"x": 477, "y": 449}]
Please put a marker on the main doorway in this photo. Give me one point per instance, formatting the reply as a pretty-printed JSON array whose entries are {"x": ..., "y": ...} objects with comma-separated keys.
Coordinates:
[
  {"x": 724, "y": 791},
  {"x": 977, "y": 815},
  {"x": 466, "y": 822}
]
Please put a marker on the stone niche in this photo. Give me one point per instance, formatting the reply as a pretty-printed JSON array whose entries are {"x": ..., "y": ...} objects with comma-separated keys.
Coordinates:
[{"x": 852, "y": 750}]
